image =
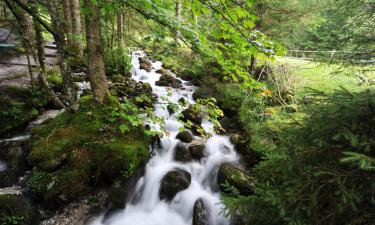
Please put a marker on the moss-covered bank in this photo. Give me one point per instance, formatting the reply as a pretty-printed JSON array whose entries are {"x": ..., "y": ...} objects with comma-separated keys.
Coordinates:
[
  {"x": 18, "y": 106},
  {"x": 74, "y": 154}
]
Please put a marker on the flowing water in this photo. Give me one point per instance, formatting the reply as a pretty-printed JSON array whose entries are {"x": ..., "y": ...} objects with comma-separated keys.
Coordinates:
[{"x": 144, "y": 206}]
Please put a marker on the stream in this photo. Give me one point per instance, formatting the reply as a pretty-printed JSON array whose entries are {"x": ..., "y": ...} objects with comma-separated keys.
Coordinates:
[{"x": 144, "y": 206}]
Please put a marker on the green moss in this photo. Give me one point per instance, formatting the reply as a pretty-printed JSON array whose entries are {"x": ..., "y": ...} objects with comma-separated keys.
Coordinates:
[
  {"x": 16, "y": 210},
  {"x": 18, "y": 106},
  {"x": 55, "y": 80},
  {"x": 75, "y": 153}
]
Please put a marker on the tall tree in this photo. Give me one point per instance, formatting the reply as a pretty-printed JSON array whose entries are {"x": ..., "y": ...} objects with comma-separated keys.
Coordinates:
[
  {"x": 59, "y": 36},
  {"x": 95, "y": 54},
  {"x": 121, "y": 41},
  {"x": 178, "y": 18},
  {"x": 76, "y": 25},
  {"x": 68, "y": 21}
]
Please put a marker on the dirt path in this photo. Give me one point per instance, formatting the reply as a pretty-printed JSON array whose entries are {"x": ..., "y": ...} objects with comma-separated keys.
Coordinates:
[{"x": 13, "y": 67}]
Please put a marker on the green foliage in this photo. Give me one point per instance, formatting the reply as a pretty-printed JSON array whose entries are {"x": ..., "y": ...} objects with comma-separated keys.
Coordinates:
[
  {"x": 75, "y": 153},
  {"x": 11, "y": 220},
  {"x": 19, "y": 105},
  {"x": 116, "y": 63},
  {"x": 55, "y": 80},
  {"x": 210, "y": 111},
  {"x": 308, "y": 175}
]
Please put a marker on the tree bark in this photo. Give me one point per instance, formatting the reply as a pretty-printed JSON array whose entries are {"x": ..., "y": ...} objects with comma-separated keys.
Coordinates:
[
  {"x": 59, "y": 28},
  {"x": 29, "y": 41},
  {"x": 121, "y": 40},
  {"x": 68, "y": 21},
  {"x": 95, "y": 56},
  {"x": 178, "y": 18},
  {"x": 76, "y": 25},
  {"x": 253, "y": 65}
]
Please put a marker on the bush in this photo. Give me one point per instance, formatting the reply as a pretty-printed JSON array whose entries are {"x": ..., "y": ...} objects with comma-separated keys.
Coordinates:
[
  {"x": 115, "y": 63},
  {"x": 319, "y": 173},
  {"x": 76, "y": 153}
]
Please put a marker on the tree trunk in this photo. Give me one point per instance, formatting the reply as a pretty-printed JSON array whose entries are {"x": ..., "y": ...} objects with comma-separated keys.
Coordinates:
[
  {"x": 68, "y": 21},
  {"x": 121, "y": 43},
  {"x": 95, "y": 56},
  {"x": 59, "y": 28},
  {"x": 28, "y": 29},
  {"x": 253, "y": 65},
  {"x": 43, "y": 83},
  {"x": 178, "y": 18},
  {"x": 39, "y": 47},
  {"x": 76, "y": 25}
]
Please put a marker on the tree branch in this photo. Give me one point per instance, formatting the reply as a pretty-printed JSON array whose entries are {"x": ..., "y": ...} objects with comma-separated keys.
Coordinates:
[{"x": 34, "y": 15}]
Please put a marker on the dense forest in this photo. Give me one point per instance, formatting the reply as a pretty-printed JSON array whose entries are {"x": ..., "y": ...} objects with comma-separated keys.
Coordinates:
[{"x": 187, "y": 112}]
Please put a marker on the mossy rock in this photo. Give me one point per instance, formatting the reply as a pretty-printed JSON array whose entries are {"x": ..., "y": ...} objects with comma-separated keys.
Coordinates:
[
  {"x": 76, "y": 153},
  {"x": 231, "y": 176},
  {"x": 18, "y": 106},
  {"x": 55, "y": 81},
  {"x": 17, "y": 210}
]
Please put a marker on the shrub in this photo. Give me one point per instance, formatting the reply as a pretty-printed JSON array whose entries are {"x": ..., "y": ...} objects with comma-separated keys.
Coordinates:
[{"x": 320, "y": 172}]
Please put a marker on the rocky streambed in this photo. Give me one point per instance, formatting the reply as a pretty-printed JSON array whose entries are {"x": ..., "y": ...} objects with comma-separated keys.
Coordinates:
[{"x": 181, "y": 183}]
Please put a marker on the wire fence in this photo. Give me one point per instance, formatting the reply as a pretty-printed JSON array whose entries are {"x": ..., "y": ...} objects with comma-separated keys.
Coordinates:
[{"x": 334, "y": 56}]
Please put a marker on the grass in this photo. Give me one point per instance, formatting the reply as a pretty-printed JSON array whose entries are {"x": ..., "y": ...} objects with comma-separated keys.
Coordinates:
[{"x": 325, "y": 77}]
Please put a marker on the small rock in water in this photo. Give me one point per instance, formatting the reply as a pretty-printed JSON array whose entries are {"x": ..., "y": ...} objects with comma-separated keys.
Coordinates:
[
  {"x": 200, "y": 214},
  {"x": 171, "y": 109},
  {"x": 8, "y": 178},
  {"x": 145, "y": 66},
  {"x": 182, "y": 100},
  {"x": 168, "y": 80},
  {"x": 182, "y": 153},
  {"x": 185, "y": 136},
  {"x": 196, "y": 149},
  {"x": 18, "y": 208},
  {"x": 193, "y": 115},
  {"x": 174, "y": 182},
  {"x": 162, "y": 71},
  {"x": 236, "y": 178},
  {"x": 235, "y": 138}
]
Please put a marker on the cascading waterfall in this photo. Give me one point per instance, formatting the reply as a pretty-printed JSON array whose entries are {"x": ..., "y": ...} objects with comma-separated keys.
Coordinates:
[{"x": 144, "y": 207}]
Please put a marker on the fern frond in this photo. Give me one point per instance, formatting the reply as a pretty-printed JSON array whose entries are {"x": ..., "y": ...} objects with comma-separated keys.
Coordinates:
[{"x": 364, "y": 162}]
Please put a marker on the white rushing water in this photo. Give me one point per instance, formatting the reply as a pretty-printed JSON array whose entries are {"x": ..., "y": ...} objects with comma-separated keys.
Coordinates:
[
  {"x": 144, "y": 206},
  {"x": 3, "y": 166}
]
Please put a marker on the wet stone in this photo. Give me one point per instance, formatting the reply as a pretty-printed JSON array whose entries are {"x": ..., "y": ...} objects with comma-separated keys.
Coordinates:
[
  {"x": 185, "y": 136},
  {"x": 174, "y": 182},
  {"x": 200, "y": 214}
]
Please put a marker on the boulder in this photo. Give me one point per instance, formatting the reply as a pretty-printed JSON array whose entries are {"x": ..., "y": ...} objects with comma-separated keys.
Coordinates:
[
  {"x": 185, "y": 136},
  {"x": 16, "y": 209},
  {"x": 192, "y": 114},
  {"x": 200, "y": 214},
  {"x": 8, "y": 178},
  {"x": 18, "y": 106},
  {"x": 171, "y": 108},
  {"x": 182, "y": 101},
  {"x": 198, "y": 130},
  {"x": 117, "y": 197},
  {"x": 163, "y": 71},
  {"x": 196, "y": 149},
  {"x": 242, "y": 144},
  {"x": 145, "y": 64},
  {"x": 235, "y": 138},
  {"x": 236, "y": 178},
  {"x": 79, "y": 77},
  {"x": 130, "y": 88},
  {"x": 182, "y": 153},
  {"x": 174, "y": 182},
  {"x": 168, "y": 80}
]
